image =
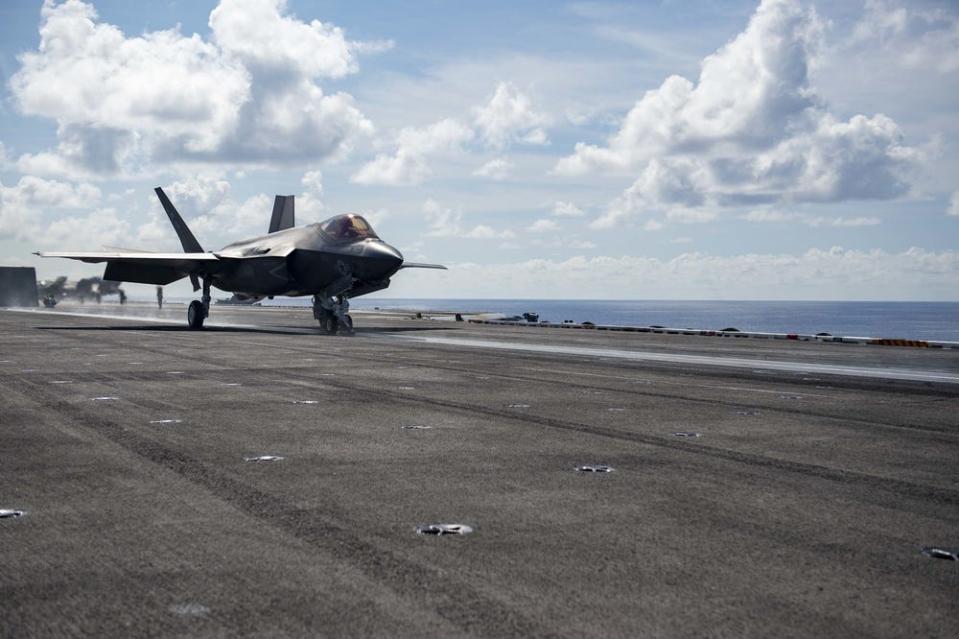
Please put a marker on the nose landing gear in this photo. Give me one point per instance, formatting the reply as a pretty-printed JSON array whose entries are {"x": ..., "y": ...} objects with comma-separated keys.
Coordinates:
[{"x": 333, "y": 314}]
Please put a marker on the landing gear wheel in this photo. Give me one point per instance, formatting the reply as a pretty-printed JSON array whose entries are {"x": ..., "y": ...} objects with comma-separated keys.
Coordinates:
[
  {"x": 346, "y": 328},
  {"x": 195, "y": 315},
  {"x": 330, "y": 324}
]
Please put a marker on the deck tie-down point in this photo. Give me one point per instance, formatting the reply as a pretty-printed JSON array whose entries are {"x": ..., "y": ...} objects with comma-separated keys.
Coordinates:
[
  {"x": 443, "y": 529},
  {"x": 938, "y": 552}
]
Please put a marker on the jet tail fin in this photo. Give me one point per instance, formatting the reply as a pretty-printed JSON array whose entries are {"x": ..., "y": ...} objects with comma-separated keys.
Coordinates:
[
  {"x": 283, "y": 217},
  {"x": 190, "y": 245}
]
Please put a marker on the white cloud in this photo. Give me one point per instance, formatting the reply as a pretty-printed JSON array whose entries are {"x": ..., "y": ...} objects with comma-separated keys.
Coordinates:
[
  {"x": 196, "y": 194},
  {"x": 231, "y": 220},
  {"x": 209, "y": 209},
  {"x": 376, "y": 217},
  {"x": 750, "y": 130},
  {"x": 850, "y": 222},
  {"x": 39, "y": 192},
  {"x": 312, "y": 182},
  {"x": 414, "y": 147},
  {"x": 544, "y": 225},
  {"x": 653, "y": 225},
  {"x": 509, "y": 117},
  {"x": 248, "y": 95},
  {"x": 443, "y": 222},
  {"x": 684, "y": 215},
  {"x": 97, "y": 229},
  {"x": 953, "y": 204},
  {"x": 920, "y": 38},
  {"x": 85, "y": 152},
  {"x": 566, "y": 209},
  {"x": 257, "y": 32},
  {"x": 446, "y": 222},
  {"x": 484, "y": 232},
  {"x": 506, "y": 119},
  {"x": 309, "y": 204},
  {"x": 495, "y": 169},
  {"x": 79, "y": 221},
  {"x": 834, "y": 273},
  {"x": 372, "y": 46},
  {"x": 23, "y": 205},
  {"x": 766, "y": 215}
]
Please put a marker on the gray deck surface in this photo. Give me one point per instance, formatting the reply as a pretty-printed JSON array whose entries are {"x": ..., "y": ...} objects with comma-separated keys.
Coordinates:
[{"x": 800, "y": 511}]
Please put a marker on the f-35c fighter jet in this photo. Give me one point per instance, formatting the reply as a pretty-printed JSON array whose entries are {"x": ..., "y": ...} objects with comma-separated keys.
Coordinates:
[{"x": 333, "y": 261}]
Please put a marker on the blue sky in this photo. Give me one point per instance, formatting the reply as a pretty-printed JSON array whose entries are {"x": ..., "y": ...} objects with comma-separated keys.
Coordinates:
[{"x": 722, "y": 150}]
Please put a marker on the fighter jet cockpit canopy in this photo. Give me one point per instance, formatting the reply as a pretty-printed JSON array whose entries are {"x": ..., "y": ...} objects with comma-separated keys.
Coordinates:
[{"x": 347, "y": 228}]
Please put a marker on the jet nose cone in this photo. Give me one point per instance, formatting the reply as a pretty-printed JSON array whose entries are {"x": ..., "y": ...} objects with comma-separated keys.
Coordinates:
[{"x": 388, "y": 258}]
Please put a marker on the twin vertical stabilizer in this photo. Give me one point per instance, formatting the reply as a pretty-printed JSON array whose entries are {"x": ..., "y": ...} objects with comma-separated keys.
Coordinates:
[
  {"x": 190, "y": 245},
  {"x": 282, "y": 214}
]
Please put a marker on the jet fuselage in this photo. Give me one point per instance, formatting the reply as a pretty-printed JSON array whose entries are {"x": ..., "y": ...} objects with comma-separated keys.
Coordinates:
[{"x": 305, "y": 261}]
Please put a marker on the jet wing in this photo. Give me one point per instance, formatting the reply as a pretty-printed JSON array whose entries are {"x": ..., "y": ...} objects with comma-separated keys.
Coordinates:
[
  {"x": 145, "y": 267},
  {"x": 419, "y": 265},
  {"x": 135, "y": 257}
]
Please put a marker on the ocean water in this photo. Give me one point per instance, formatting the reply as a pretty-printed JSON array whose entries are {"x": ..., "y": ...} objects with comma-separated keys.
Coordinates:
[{"x": 907, "y": 320}]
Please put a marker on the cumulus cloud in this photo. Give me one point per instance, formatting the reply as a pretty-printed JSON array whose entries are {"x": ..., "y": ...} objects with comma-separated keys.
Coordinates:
[
  {"x": 920, "y": 38},
  {"x": 566, "y": 209},
  {"x": 414, "y": 147},
  {"x": 51, "y": 214},
  {"x": 256, "y": 32},
  {"x": 309, "y": 204},
  {"x": 231, "y": 220},
  {"x": 98, "y": 228},
  {"x": 443, "y": 222},
  {"x": 250, "y": 94},
  {"x": 495, "y": 169},
  {"x": 211, "y": 211},
  {"x": 509, "y": 117},
  {"x": 543, "y": 225},
  {"x": 23, "y": 205},
  {"x": 447, "y": 222},
  {"x": 833, "y": 273},
  {"x": 750, "y": 130},
  {"x": 197, "y": 194},
  {"x": 953, "y": 204}
]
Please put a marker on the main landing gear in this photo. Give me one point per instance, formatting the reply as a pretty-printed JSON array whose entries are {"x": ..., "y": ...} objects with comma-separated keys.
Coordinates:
[
  {"x": 199, "y": 309},
  {"x": 333, "y": 314}
]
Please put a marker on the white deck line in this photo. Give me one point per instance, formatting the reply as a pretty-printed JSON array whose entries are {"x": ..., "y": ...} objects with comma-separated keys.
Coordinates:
[
  {"x": 152, "y": 319},
  {"x": 699, "y": 360}
]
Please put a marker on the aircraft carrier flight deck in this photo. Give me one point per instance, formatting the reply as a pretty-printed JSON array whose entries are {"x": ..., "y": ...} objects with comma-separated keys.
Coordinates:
[{"x": 436, "y": 478}]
